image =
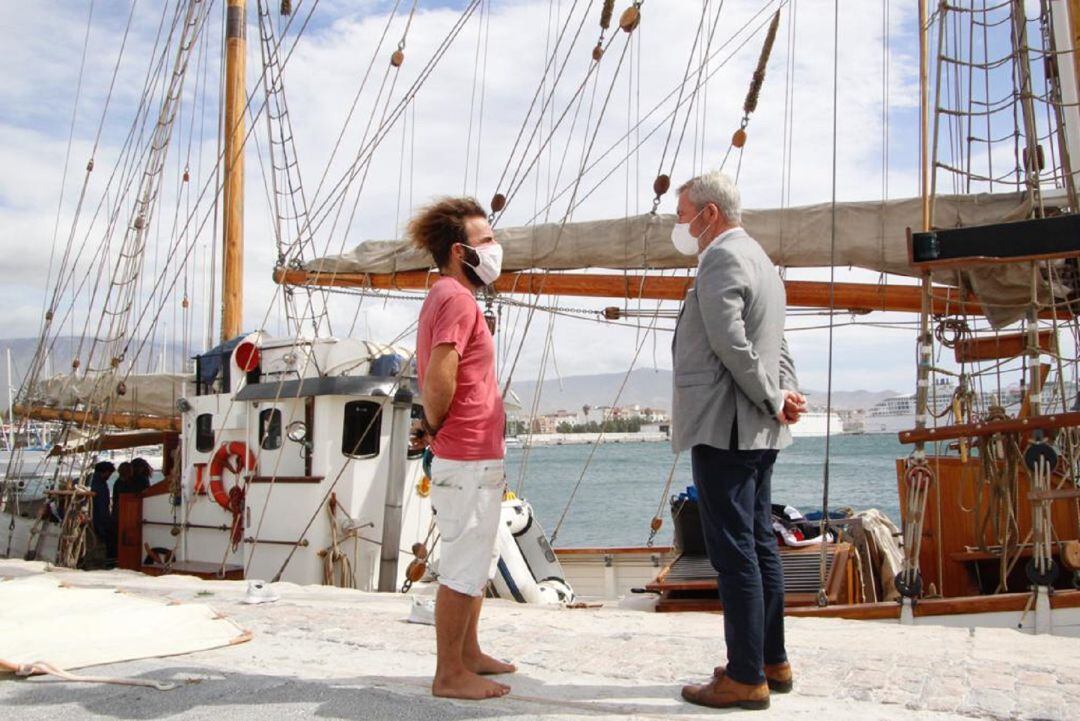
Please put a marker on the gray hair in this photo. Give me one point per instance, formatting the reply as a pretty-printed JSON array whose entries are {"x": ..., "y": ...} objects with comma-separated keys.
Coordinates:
[{"x": 714, "y": 187}]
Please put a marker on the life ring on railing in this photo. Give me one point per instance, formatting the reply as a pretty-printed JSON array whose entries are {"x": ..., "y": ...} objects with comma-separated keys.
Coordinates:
[{"x": 234, "y": 457}]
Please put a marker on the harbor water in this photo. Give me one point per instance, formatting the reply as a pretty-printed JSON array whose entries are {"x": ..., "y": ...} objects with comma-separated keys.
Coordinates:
[{"x": 621, "y": 486}]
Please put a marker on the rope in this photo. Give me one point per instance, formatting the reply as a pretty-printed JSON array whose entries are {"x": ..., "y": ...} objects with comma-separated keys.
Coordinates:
[
  {"x": 44, "y": 667},
  {"x": 822, "y": 597}
]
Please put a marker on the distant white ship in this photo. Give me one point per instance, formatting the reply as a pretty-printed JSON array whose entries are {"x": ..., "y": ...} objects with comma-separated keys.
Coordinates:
[
  {"x": 817, "y": 424},
  {"x": 897, "y": 414}
]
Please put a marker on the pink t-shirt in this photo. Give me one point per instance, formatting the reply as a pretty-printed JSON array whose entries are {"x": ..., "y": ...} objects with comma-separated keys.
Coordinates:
[{"x": 473, "y": 429}]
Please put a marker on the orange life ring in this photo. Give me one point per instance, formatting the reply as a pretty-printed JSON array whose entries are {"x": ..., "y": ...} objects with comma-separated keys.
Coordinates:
[{"x": 234, "y": 457}]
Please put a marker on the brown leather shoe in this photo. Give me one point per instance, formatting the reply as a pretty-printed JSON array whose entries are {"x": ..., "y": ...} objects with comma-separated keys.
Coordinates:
[
  {"x": 725, "y": 692},
  {"x": 777, "y": 675}
]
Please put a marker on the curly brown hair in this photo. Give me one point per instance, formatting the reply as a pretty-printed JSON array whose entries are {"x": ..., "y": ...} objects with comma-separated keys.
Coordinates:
[{"x": 437, "y": 227}]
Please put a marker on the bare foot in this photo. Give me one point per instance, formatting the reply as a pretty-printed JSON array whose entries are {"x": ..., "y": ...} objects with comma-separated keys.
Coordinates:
[
  {"x": 467, "y": 685},
  {"x": 487, "y": 666}
]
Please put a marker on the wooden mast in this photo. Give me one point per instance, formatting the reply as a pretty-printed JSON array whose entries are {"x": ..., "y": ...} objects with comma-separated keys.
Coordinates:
[{"x": 232, "y": 284}]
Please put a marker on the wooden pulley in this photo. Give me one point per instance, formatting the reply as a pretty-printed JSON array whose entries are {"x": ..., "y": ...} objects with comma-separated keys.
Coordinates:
[
  {"x": 598, "y": 52},
  {"x": 121, "y": 388},
  {"x": 661, "y": 185},
  {"x": 1070, "y": 555},
  {"x": 612, "y": 312},
  {"x": 75, "y": 364},
  {"x": 174, "y": 531},
  {"x": 919, "y": 475},
  {"x": 397, "y": 58},
  {"x": 416, "y": 570},
  {"x": 184, "y": 303},
  {"x": 187, "y": 175},
  {"x": 498, "y": 202},
  {"x": 48, "y": 315},
  {"x": 657, "y": 522},
  {"x": 738, "y": 139},
  {"x": 630, "y": 19},
  {"x": 286, "y": 7},
  {"x": 419, "y": 550},
  {"x": 90, "y": 166},
  {"x": 115, "y": 362}
]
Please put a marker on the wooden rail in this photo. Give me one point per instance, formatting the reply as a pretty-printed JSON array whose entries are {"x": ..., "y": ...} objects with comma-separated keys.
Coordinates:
[{"x": 989, "y": 428}]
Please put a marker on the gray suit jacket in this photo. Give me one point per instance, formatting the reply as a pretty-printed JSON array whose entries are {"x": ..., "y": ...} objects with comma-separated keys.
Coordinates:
[{"x": 731, "y": 359}]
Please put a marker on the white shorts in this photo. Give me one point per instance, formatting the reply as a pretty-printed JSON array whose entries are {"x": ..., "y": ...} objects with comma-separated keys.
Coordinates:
[{"x": 467, "y": 499}]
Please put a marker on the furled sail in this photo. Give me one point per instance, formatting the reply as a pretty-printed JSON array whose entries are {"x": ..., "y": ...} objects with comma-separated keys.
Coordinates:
[
  {"x": 147, "y": 394},
  {"x": 869, "y": 234}
]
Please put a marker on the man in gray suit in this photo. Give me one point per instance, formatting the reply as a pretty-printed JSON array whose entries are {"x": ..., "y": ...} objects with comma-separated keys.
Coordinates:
[{"x": 735, "y": 394}]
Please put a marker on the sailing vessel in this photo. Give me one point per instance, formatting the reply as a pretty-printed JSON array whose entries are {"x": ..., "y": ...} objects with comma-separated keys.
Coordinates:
[{"x": 290, "y": 457}]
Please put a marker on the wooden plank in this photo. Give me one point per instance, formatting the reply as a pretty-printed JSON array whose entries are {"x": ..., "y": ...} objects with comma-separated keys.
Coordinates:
[
  {"x": 1065, "y": 599},
  {"x": 129, "y": 546},
  {"x": 989, "y": 428},
  {"x": 615, "y": 551},
  {"x": 199, "y": 569},
  {"x": 1054, "y": 494},
  {"x": 863, "y": 611},
  {"x": 856, "y": 297},
  {"x": 1004, "y": 345},
  {"x": 286, "y": 479}
]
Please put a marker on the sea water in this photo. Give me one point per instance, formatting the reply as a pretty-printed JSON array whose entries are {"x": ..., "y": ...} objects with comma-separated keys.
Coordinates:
[{"x": 620, "y": 486}]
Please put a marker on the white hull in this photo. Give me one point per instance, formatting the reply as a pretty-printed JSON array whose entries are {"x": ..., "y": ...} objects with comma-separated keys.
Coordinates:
[
  {"x": 609, "y": 574},
  {"x": 816, "y": 424}
]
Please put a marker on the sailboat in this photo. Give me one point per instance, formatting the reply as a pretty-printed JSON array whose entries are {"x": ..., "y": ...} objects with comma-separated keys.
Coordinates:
[{"x": 290, "y": 458}]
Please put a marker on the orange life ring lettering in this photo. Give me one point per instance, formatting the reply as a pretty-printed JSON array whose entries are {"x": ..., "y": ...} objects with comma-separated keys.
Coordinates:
[{"x": 234, "y": 457}]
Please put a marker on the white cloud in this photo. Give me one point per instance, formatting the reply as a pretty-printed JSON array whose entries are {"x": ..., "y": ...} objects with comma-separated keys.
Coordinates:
[{"x": 324, "y": 74}]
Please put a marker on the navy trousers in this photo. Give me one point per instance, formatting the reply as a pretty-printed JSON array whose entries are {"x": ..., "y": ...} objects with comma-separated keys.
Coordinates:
[{"x": 735, "y": 498}]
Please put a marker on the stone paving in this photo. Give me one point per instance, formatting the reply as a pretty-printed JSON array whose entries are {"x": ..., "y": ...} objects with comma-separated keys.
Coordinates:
[{"x": 329, "y": 653}]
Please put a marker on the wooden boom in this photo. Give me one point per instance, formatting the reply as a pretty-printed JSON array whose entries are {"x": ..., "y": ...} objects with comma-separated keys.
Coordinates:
[
  {"x": 84, "y": 417},
  {"x": 855, "y": 297}
]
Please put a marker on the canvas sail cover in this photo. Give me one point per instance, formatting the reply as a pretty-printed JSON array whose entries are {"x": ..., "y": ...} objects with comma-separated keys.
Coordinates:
[
  {"x": 869, "y": 234},
  {"x": 150, "y": 394}
]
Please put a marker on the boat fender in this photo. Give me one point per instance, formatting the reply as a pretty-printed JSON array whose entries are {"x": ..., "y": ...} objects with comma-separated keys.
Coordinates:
[
  {"x": 236, "y": 458},
  {"x": 517, "y": 516},
  {"x": 556, "y": 590}
]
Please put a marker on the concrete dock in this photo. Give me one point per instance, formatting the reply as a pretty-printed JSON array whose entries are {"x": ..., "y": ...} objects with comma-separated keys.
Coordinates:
[{"x": 334, "y": 654}]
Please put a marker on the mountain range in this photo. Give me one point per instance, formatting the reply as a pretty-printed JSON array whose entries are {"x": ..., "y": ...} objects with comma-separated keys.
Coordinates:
[
  {"x": 650, "y": 388},
  {"x": 646, "y": 387}
]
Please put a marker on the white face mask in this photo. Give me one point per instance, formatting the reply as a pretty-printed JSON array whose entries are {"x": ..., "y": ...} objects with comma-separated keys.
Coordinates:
[
  {"x": 490, "y": 266},
  {"x": 683, "y": 240}
]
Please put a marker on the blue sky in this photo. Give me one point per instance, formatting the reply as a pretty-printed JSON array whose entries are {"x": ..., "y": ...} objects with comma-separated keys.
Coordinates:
[{"x": 46, "y": 42}]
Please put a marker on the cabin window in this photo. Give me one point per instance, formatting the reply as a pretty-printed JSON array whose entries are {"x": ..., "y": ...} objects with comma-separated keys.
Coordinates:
[
  {"x": 204, "y": 432},
  {"x": 361, "y": 429},
  {"x": 415, "y": 417},
  {"x": 270, "y": 429}
]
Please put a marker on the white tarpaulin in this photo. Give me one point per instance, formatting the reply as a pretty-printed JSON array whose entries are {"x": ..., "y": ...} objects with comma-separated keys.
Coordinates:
[{"x": 42, "y": 621}]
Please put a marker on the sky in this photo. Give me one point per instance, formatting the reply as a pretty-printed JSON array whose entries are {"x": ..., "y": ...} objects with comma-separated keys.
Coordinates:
[{"x": 456, "y": 136}]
